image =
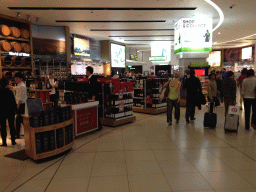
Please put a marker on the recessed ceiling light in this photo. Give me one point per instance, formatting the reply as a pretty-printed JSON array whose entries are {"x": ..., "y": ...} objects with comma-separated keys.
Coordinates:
[{"x": 219, "y": 33}]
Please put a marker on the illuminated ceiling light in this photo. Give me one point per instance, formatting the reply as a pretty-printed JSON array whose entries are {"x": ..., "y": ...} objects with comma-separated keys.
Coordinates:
[
  {"x": 219, "y": 11},
  {"x": 219, "y": 33}
]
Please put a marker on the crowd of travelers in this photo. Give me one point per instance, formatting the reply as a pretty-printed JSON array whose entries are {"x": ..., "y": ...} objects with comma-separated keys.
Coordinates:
[{"x": 221, "y": 88}]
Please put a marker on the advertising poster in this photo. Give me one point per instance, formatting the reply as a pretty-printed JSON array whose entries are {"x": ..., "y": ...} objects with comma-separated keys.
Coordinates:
[
  {"x": 117, "y": 55},
  {"x": 193, "y": 35},
  {"x": 214, "y": 58},
  {"x": 81, "y": 47},
  {"x": 160, "y": 52}
]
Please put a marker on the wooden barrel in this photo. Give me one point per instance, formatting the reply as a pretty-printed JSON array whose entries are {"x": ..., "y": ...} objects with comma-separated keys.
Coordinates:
[
  {"x": 6, "y": 61},
  {"x": 16, "y": 47},
  {"x": 15, "y": 32},
  {"x": 25, "y": 47},
  {"x": 26, "y": 61},
  {"x": 5, "y": 45},
  {"x": 17, "y": 61},
  {"x": 24, "y": 33},
  {"x": 5, "y": 30}
]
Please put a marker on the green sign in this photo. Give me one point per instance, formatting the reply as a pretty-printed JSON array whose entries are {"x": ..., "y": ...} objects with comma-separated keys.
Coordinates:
[{"x": 199, "y": 64}]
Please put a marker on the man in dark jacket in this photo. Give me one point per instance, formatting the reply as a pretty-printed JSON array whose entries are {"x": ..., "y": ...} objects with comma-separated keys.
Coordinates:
[
  {"x": 8, "y": 108},
  {"x": 228, "y": 91},
  {"x": 94, "y": 92},
  {"x": 193, "y": 86}
]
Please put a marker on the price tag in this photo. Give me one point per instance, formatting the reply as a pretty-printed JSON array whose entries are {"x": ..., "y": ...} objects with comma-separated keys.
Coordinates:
[
  {"x": 120, "y": 96},
  {"x": 121, "y": 107}
]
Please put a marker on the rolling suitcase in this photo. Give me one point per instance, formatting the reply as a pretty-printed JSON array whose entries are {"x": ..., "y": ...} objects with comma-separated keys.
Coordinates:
[
  {"x": 231, "y": 123},
  {"x": 210, "y": 120},
  {"x": 232, "y": 119}
]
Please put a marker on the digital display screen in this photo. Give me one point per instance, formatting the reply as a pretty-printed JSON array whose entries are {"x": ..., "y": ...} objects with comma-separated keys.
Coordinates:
[
  {"x": 117, "y": 55},
  {"x": 81, "y": 47},
  {"x": 214, "y": 58},
  {"x": 200, "y": 72},
  {"x": 78, "y": 70},
  {"x": 247, "y": 53}
]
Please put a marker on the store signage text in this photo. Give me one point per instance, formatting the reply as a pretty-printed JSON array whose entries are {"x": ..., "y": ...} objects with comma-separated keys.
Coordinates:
[
  {"x": 193, "y": 35},
  {"x": 19, "y": 54}
]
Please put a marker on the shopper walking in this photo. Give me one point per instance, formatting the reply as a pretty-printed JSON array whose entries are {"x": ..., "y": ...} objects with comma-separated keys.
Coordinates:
[
  {"x": 240, "y": 83},
  {"x": 173, "y": 99},
  {"x": 194, "y": 88},
  {"x": 21, "y": 97},
  {"x": 248, "y": 88},
  {"x": 228, "y": 90},
  {"x": 212, "y": 91},
  {"x": 8, "y": 108}
]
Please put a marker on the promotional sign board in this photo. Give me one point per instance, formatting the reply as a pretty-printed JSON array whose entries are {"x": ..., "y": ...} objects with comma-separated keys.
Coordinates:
[
  {"x": 193, "y": 35},
  {"x": 160, "y": 52}
]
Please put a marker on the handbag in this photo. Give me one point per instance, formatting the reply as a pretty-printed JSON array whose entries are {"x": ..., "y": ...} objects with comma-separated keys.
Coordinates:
[
  {"x": 202, "y": 99},
  {"x": 216, "y": 100},
  {"x": 162, "y": 94},
  {"x": 167, "y": 90}
]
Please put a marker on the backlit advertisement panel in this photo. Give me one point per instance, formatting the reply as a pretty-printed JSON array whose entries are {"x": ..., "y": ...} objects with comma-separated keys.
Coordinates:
[
  {"x": 117, "y": 55},
  {"x": 214, "y": 58},
  {"x": 193, "y": 35}
]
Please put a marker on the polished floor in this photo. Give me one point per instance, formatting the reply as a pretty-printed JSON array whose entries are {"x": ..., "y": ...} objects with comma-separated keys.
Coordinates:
[{"x": 147, "y": 155}]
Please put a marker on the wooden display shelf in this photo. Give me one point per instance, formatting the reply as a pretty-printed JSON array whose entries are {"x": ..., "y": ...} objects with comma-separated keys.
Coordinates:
[
  {"x": 21, "y": 24},
  {"x": 113, "y": 123},
  {"x": 52, "y": 153},
  {"x": 153, "y": 111},
  {"x": 14, "y": 38},
  {"x": 30, "y": 141}
]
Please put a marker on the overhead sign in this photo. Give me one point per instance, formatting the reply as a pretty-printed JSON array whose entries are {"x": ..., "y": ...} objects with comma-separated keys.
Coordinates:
[
  {"x": 193, "y": 35},
  {"x": 199, "y": 64}
]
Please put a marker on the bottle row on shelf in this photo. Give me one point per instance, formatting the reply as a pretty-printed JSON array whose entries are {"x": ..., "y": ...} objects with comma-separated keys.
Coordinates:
[{"x": 45, "y": 141}]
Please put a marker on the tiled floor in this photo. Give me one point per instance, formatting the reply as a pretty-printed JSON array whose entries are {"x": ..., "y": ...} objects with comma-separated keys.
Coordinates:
[{"x": 146, "y": 155}]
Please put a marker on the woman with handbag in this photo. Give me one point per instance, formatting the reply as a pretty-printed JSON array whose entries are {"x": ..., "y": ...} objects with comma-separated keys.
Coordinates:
[{"x": 173, "y": 98}]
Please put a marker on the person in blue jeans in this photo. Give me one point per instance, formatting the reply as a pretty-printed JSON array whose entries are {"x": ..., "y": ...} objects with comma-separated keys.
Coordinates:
[{"x": 173, "y": 99}]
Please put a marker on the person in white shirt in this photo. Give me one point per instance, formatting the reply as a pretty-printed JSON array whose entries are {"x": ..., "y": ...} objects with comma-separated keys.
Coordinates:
[
  {"x": 21, "y": 97},
  {"x": 248, "y": 87},
  {"x": 53, "y": 96}
]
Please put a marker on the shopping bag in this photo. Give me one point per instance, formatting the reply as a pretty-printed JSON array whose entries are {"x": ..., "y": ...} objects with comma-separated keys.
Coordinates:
[{"x": 162, "y": 94}]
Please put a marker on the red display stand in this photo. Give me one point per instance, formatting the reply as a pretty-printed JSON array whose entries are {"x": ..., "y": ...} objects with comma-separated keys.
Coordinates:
[{"x": 85, "y": 117}]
